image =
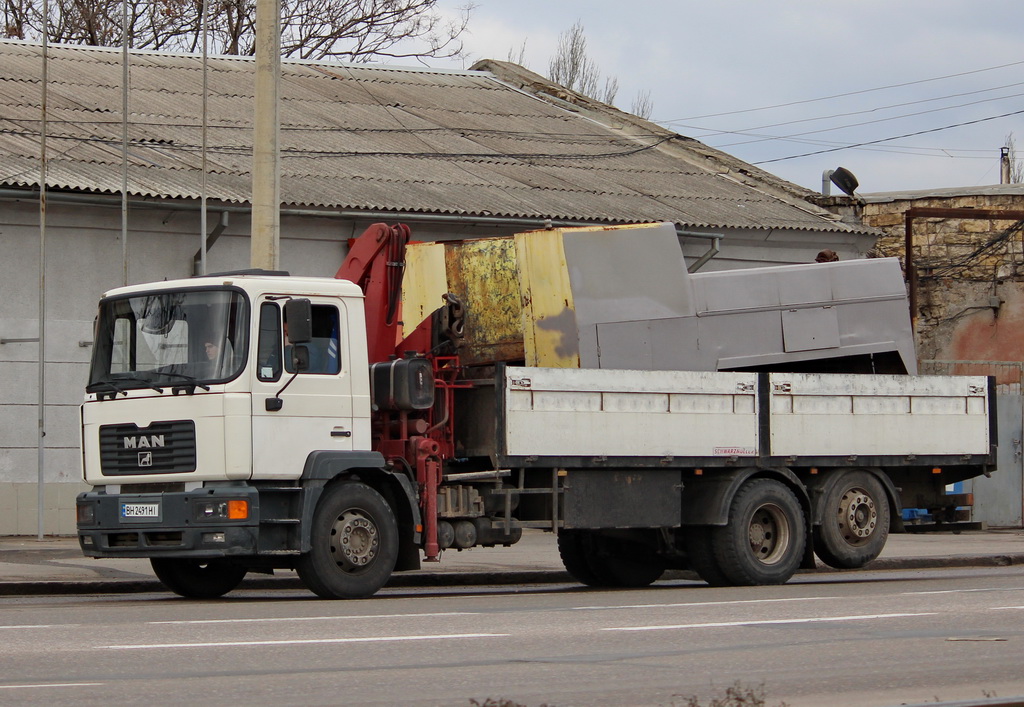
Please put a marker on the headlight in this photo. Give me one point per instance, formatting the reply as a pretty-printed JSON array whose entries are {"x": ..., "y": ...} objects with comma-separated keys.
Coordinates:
[
  {"x": 86, "y": 514},
  {"x": 235, "y": 509}
]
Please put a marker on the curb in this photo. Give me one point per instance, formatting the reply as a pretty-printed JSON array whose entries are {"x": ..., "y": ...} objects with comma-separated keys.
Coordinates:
[{"x": 473, "y": 579}]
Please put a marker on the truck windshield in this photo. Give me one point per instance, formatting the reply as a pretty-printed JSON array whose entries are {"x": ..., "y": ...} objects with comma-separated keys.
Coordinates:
[{"x": 169, "y": 338}]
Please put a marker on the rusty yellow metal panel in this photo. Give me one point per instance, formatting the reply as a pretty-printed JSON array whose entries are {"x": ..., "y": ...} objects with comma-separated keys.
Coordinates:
[
  {"x": 517, "y": 293},
  {"x": 550, "y": 336},
  {"x": 424, "y": 284},
  {"x": 483, "y": 274}
]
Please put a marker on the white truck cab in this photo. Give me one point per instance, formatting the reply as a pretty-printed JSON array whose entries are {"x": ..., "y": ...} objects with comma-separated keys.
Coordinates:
[{"x": 185, "y": 381}]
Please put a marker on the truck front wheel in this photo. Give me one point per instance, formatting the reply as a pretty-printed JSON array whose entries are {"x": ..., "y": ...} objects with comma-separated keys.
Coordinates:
[
  {"x": 574, "y": 547},
  {"x": 855, "y": 522},
  {"x": 197, "y": 579},
  {"x": 354, "y": 540},
  {"x": 764, "y": 540},
  {"x": 598, "y": 560}
]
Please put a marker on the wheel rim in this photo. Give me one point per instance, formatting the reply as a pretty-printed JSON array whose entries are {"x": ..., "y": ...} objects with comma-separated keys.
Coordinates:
[
  {"x": 769, "y": 534},
  {"x": 355, "y": 540},
  {"x": 858, "y": 516}
]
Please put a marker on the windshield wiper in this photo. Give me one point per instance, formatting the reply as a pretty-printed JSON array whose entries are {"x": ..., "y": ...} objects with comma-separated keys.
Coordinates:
[
  {"x": 103, "y": 385},
  {"x": 192, "y": 381},
  {"x": 115, "y": 389}
]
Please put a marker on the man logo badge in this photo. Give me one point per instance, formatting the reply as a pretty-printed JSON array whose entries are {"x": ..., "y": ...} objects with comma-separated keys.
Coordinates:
[{"x": 145, "y": 459}]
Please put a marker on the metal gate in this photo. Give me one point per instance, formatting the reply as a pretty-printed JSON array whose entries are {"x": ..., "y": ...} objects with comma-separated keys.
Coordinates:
[{"x": 998, "y": 500}]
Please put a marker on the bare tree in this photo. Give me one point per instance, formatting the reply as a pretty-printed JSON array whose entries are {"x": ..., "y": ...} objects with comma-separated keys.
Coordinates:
[
  {"x": 642, "y": 105},
  {"x": 353, "y": 30},
  {"x": 517, "y": 56},
  {"x": 573, "y": 68}
]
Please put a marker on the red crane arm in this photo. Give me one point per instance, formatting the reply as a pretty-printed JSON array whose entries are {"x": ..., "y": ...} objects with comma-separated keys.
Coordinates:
[{"x": 376, "y": 262}]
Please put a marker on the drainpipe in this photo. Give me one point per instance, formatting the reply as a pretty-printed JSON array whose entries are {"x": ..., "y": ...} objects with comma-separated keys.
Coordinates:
[
  {"x": 199, "y": 259},
  {"x": 716, "y": 241}
]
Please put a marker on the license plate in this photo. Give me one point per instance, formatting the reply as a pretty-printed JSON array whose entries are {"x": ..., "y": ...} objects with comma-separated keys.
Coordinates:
[{"x": 140, "y": 511}]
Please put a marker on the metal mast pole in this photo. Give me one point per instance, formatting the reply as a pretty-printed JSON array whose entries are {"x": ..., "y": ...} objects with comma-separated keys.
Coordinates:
[
  {"x": 202, "y": 207},
  {"x": 41, "y": 446},
  {"x": 266, "y": 179},
  {"x": 124, "y": 142}
]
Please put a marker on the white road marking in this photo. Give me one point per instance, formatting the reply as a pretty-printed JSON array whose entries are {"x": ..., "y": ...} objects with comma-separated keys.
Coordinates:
[
  {"x": 699, "y": 603},
  {"x": 317, "y": 618},
  {"x": 52, "y": 684},
  {"x": 963, "y": 591},
  {"x": 37, "y": 626},
  {"x": 1000, "y": 608},
  {"x": 768, "y": 622},
  {"x": 310, "y": 641}
]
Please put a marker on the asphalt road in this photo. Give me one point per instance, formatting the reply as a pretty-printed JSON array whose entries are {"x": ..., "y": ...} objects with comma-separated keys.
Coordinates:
[{"x": 871, "y": 638}]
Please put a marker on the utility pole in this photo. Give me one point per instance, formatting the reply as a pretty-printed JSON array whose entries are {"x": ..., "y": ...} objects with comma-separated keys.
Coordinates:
[{"x": 266, "y": 176}]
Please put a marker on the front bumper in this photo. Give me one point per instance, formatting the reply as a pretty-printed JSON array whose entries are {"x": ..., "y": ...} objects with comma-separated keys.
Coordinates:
[{"x": 173, "y": 526}]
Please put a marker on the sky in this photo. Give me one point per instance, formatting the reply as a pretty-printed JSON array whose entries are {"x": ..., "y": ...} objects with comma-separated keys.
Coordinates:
[{"x": 770, "y": 80}]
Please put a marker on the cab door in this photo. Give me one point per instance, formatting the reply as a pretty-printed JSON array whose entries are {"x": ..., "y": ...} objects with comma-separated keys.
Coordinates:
[{"x": 293, "y": 413}]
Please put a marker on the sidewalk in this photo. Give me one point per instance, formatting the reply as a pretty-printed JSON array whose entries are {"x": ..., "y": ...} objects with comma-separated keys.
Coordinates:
[{"x": 55, "y": 565}]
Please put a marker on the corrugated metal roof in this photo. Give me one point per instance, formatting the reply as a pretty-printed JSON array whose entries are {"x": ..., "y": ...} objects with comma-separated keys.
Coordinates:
[
  {"x": 945, "y": 193},
  {"x": 367, "y": 137}
]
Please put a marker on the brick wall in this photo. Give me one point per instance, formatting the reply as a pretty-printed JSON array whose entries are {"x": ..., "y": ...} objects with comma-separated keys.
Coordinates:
[{"x": 970, "y": 294}]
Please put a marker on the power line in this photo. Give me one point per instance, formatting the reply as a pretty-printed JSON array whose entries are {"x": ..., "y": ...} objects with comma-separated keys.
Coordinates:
[
  {"x": 843, "y": 95},
  {"x": 872, "y": 122},
  {"x": 713, "y": 133},
  {"x": 896, "y": 149},
  {"x": 888, "y": 139}
]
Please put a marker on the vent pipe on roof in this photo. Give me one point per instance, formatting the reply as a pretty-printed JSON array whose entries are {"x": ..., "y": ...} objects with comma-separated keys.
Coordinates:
[
  {"x": 1004, "y": 165},
  {"x": 826, "y": 182}
]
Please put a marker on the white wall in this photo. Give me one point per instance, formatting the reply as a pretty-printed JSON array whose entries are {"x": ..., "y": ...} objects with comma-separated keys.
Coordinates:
[{"x": 84, "y": 259}]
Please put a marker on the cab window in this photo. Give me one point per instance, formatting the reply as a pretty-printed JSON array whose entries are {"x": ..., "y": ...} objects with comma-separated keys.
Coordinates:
[{"x": 325, "y": 346}]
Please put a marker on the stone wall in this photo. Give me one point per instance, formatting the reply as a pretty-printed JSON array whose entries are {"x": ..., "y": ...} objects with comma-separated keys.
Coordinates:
[{"x": 970, "y": 290}]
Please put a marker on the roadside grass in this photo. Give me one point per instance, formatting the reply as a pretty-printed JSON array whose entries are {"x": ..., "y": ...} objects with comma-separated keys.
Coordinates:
[{"x": 736, "y": 695}]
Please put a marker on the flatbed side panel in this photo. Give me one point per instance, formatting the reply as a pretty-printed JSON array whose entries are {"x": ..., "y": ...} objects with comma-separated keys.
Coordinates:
[
  {"x": 615, "y": 413},
  {"x": 840, "y": 415}
]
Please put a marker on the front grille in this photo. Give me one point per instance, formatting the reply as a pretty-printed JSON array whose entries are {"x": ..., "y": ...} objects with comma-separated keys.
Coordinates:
[{"x": 161, "y": 448}]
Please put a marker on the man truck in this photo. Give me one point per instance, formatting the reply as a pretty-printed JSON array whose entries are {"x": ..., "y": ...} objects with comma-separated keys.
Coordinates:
[{"x": 578, "y": 381}]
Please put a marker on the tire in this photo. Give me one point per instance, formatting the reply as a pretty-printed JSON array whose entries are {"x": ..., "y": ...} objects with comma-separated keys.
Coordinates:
[
  {"x": 197, "y": 579},
  {"x": 620, "y": 568},
  {"x": 573, "y": 547},
  {"x": 855, "y": 521},
  {"x": 702, "y": 556},
  {"x": 764, "y": 540},
  {"x": 354, "y": 540},
  {"x": 599, "y": 561}
]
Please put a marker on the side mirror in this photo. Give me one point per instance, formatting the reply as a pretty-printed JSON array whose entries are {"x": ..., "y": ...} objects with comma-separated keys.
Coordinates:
[
  {"x": 300, "y": 357},
  {"x": 299, "y": 315}
]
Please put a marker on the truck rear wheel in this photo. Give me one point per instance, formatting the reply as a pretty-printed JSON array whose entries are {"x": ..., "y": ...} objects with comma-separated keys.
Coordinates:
[
  {"x": 764, "y": 540},
  {"x": 855, "y": 524},
  {"x": 354, "y": 543},
  {"x": 197, "y": 579},
  {"x": 702, "y": 555}
]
